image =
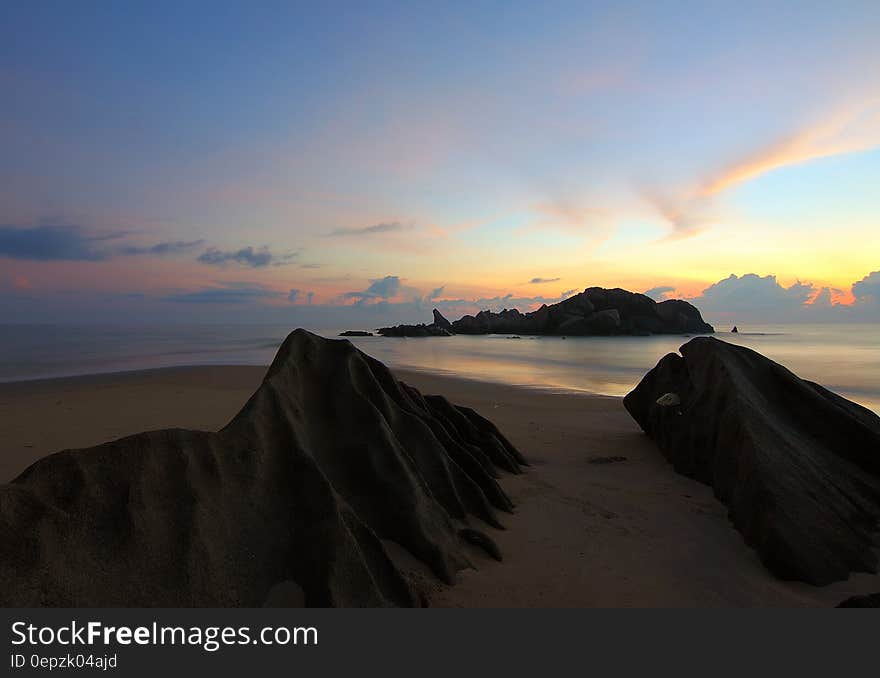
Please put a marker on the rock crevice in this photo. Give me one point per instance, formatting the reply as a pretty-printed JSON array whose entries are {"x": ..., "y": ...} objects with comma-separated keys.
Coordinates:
[{"x": 329, "y": 457}]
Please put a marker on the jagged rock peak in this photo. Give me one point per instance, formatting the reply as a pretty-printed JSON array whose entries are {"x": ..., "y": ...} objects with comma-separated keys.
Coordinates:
[
  {"x": 440, "y": 321},
  {"x": 330, "y": 459}
]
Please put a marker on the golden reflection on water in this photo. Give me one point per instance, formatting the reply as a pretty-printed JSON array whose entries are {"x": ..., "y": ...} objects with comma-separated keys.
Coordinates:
[{"x": 845, "y": 359}]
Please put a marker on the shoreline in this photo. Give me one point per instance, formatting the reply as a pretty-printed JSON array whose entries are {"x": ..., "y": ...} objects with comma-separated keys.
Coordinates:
[
  {"x": 405, "y": 370},
  {"x": 588, "y": 529},
  {"x": 593, "y": 365},
  {"x": 22, "y": 443}
]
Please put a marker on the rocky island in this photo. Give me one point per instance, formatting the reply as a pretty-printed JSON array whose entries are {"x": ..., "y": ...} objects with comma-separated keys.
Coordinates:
[
  {"x": 595, "y": 311},
  {"x": 441, "y": 327}
]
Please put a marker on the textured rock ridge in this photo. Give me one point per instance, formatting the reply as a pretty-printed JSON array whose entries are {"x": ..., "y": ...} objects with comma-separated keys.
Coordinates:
[
  {"x": 328, "y": 459},
  {"x": 797, "y": 465}
]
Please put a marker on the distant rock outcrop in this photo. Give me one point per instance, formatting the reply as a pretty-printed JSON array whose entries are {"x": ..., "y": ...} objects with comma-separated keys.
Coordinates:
[
  {"x": 440, "y": 321},
  {"x": 797, "y": 465},
  {"x": 439, "y": 328},
  {"x": 595, "y": 311},
  {"x": 329, "y": 457},
  {"x": 355, "y": 333}
]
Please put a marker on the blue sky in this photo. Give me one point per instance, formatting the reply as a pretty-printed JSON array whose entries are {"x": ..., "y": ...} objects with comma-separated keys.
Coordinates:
[{"x": 183, "y": 150}]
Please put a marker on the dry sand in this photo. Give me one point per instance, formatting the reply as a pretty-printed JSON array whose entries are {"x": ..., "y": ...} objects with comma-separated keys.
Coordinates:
[{"x": 614, "y": 534}]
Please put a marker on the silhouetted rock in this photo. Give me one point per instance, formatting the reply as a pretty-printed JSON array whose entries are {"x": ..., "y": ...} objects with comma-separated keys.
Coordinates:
[
  {"x": 606, "y": 321},
  {"x": 355, "y": 333},
  {"x": 330, "y": 456},
  {"x": 441, "y": 327},
  {"x": 869, "y": 600},
  {"x": 679, "y": 316},
  {"x": 440, "y": 321},
  {"x": 595, "y": 311},
  {"x": 797, "y": 465},
  {"x": 734, "y": 330},
  {"x": 414, "y": 331}
]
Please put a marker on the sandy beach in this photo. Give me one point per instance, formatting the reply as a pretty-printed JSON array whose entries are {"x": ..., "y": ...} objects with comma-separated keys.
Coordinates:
[{"x": 601, "y": 519}]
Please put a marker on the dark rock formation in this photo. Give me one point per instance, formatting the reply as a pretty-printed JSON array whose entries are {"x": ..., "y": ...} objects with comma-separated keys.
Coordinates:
[
  {"x": 869, "y": 600},
  {"x": 797, "y": 465},
  {"x": 355, "y": 333},
  {"x": 439, "y": 328},
  {"x": 595, "y": 311},
  {"x": 329, "y": 457},
  {"x": 440, "y": 321},
  {"x": 414, "y": 331},
  {"x": 734, "y": 330}
]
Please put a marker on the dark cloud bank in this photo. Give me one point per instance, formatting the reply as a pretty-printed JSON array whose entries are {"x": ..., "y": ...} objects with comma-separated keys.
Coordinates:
[
  {"x": 74, "y": 243},
  {"x": 246, "y": 256}
]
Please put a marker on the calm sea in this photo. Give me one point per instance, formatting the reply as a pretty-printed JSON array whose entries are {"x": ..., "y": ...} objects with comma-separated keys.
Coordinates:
[{"x": 844, "y": 358}]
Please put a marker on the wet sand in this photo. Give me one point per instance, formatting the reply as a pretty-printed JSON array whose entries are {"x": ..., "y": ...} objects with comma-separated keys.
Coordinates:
[{"x": 589, "y": 529}]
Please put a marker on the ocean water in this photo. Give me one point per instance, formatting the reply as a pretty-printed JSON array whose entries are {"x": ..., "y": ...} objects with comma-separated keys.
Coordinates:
[{"x": 844, "y": 358}]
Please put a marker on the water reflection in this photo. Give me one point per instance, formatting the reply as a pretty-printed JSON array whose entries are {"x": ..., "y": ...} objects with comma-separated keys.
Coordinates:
[{"x": 844, "y": 358}]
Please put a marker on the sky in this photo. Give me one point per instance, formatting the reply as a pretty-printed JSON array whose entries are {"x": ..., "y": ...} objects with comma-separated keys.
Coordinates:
[{"x": 336, "y": 163}]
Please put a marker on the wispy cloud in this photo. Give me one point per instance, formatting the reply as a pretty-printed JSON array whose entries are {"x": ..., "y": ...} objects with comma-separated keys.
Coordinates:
[
  {"x": 856, "y": 128},
  {"x": 691, "y": 210},
  {"x": 541, "y": 281},
  {"x": 436, "y": 293},
  {"x": 383, "y": 227},
  {"x": 246, "y": 256},
  {"x": 74, "y": 243},
  {"x": 296, "y": 295},
  {"x": 51, "y": 243},
  {"x": 161, "y": 249},
  {"x": 688, "y": 215},
  {"x": 569, "y": 215}
]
